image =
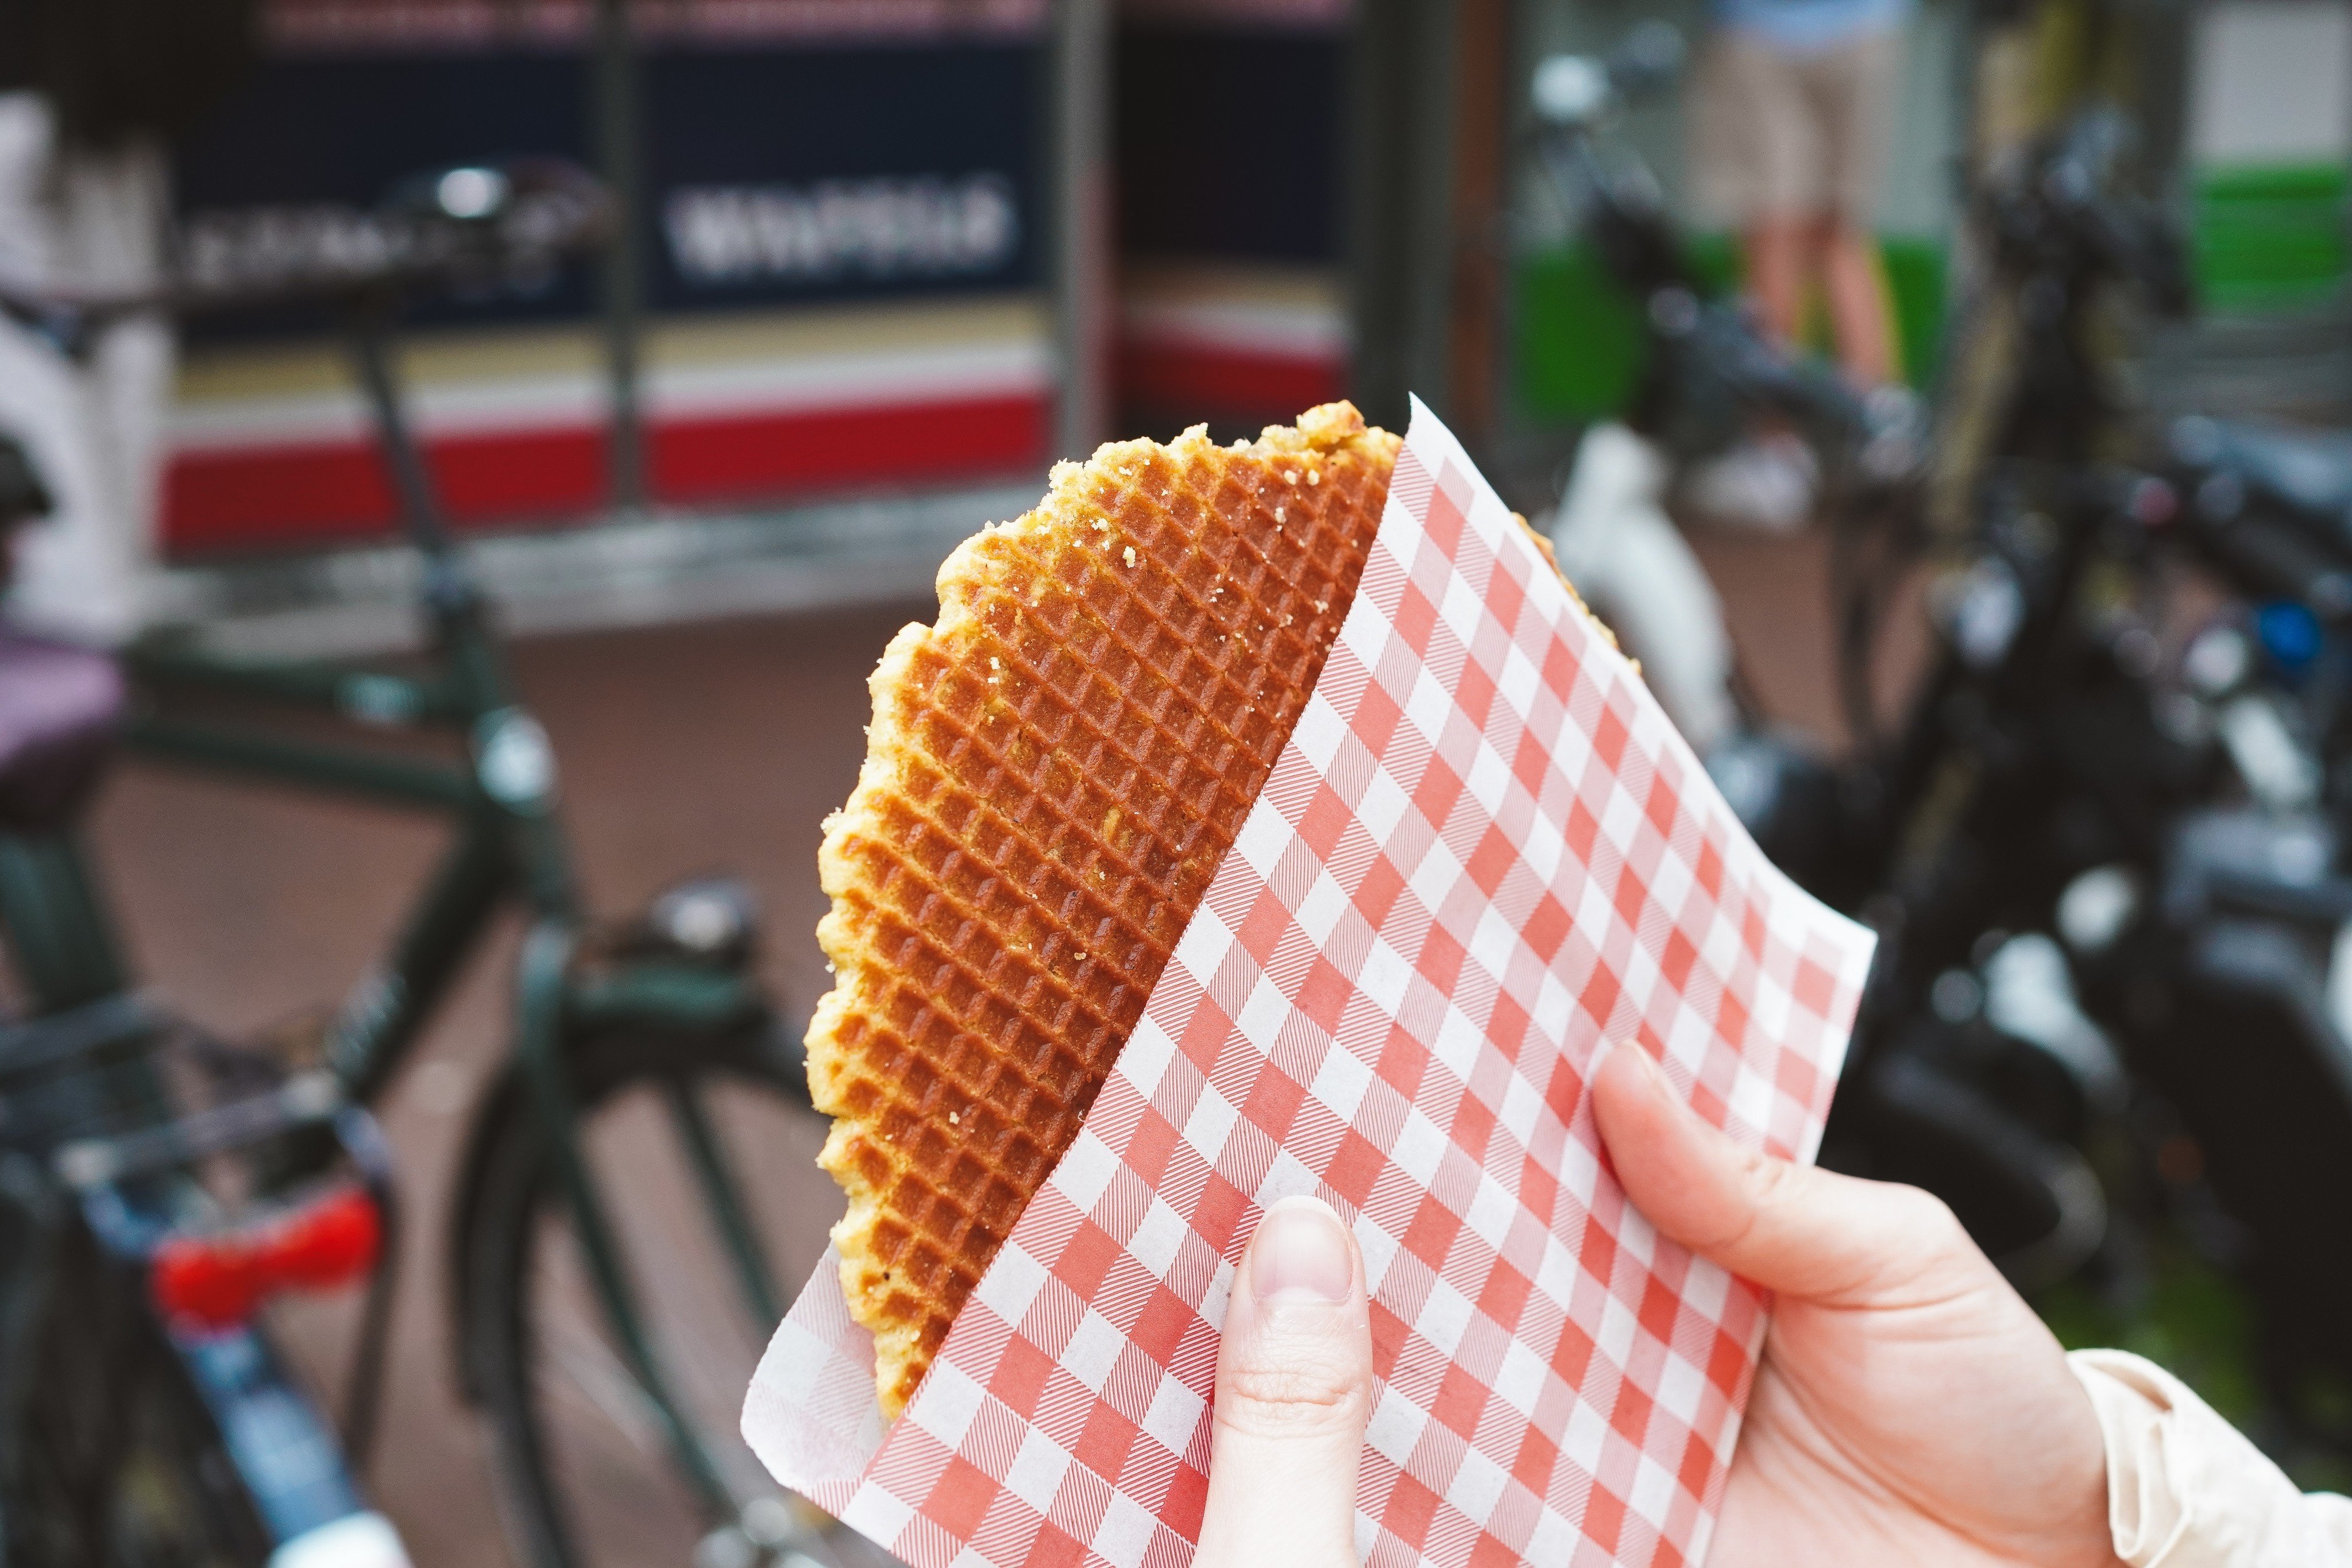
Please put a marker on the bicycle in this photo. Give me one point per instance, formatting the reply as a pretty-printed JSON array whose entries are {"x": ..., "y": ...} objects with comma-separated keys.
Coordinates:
[
  {"x": 150, "y": 1417},
  {"x": 145, "y": 1416},
  {"x": 1941, "y": 831},
  {"x": 607, "y": 1361}
]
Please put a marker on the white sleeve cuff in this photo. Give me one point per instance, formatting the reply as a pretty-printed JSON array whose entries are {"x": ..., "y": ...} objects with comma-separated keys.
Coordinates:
[{"x": 2186, "y": 1489}]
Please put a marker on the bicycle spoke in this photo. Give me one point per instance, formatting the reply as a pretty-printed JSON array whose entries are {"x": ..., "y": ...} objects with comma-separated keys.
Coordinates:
[
  {"x": 709, "y": 1201},
  {"x": 725, "y": 1201},
  {"x": 597, "y": 1376}
]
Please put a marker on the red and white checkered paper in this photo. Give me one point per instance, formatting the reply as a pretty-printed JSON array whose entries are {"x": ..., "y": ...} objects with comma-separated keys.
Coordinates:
[{"x": 1483, "y": 857}]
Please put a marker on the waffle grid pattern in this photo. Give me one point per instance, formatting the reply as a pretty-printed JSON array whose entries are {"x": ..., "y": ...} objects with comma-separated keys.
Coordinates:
[
  {"x": 1056, "y": 770},
  {"x": 1482, "y": 858}
]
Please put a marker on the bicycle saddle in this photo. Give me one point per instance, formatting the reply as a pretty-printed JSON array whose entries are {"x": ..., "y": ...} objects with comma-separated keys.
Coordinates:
[
  {"x": 59, "y": 709},
  {"x": 2307, "y": 472}
]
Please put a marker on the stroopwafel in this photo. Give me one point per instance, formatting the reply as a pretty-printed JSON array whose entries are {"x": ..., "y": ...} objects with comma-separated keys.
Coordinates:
[{"x": 1054, "y": 773}]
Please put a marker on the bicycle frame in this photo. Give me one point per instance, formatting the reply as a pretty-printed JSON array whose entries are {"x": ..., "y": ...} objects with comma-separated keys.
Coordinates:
[{"x": 509, "y": 847}]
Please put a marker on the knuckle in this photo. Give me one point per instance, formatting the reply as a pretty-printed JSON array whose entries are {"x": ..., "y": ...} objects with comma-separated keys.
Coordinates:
[
  {"x": 1773, "y": 1186},
  {"x": 1769, "y": 1181},
  {"x": 1297, "y": 1396}
]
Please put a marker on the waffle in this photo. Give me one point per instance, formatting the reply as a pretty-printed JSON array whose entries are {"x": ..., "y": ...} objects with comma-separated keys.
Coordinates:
[{"x": 1054, "y": 773}]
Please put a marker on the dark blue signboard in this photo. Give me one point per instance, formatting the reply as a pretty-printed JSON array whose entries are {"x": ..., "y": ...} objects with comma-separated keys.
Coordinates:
[
  {"x": 780, "y": 173},
  {"x": 776, "y": 174}
]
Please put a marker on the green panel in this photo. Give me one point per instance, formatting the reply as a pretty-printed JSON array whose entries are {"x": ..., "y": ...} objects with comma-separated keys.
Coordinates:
[
  {"x": 1580, "y": 352},
  {"x": 1579, "y": 348},
  {"x": 2267, "y": 236},
  {"x": 1915, "y": 283}
]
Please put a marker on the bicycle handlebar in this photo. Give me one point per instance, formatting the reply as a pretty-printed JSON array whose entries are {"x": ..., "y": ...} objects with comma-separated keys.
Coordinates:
[
  {"x": 1573, "y": 91},
  {"x": 2269, "y": 559},
  {"x": 1626, "y": 220},
  {"x": 1797, "y": 388},
  {"x": 2057, "y": 207},
  {"x": 1882, "y": 436}
]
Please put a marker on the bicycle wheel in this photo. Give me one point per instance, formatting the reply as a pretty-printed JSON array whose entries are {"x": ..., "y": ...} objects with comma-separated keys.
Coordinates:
[
  {"x": 587, "y": 1474},
  {"x": 116, "y": 1463}
]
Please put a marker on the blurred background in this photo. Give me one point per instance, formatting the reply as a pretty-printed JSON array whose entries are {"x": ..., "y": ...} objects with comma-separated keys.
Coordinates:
[{"x": 466, "y": 456}]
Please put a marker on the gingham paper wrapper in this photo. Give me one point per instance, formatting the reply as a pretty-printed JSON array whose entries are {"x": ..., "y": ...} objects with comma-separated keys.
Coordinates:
[{"x": 1485, "y": 858}]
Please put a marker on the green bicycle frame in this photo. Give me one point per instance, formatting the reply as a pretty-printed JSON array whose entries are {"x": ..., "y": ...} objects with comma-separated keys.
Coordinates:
[{"x": 509, "y": 846}]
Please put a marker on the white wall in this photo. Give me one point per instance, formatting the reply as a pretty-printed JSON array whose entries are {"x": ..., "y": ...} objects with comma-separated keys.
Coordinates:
[{"x": 2270, "y": 82}]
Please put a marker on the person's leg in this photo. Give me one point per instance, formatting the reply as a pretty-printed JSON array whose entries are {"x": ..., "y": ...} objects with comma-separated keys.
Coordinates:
[
  {"x": 1751, "y": 151},
  {"x": 1756, "y": 122},
  {"x": 1779, "y": 258},
  {"x": 1854, "y": 89},
  {"x": 1861, "y": 314}
]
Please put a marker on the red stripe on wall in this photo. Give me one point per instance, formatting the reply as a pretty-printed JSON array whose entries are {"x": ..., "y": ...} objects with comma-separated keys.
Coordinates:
[
  {"x": 1195, "y": 378},
  {"x": 259, "y": 496},
  {"x": 759, "y": 455},
  {"x": 264, "y": 497}
]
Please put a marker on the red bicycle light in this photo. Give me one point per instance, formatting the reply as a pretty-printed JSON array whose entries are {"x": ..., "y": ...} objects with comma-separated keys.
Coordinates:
[
  {"x": 204, "y": 1283},
  {"x": 216, "y": 1280},
  {"x": 329, "y": 1243}
]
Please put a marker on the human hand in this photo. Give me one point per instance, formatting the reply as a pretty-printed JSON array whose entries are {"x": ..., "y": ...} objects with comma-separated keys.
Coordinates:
[{"x": 1910, "y": 1408}]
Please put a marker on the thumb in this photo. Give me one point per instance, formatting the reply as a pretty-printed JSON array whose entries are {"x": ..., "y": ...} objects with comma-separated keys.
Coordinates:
[
  {"x": 1802, "y": 1232},
  {"x": 1293, "y": 1392}
]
